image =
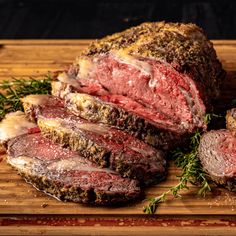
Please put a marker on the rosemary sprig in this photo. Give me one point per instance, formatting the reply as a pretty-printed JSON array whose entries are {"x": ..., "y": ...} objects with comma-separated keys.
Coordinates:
[
  {"x": 192, "y": 171},
  {"x": 12, "y": 91}
]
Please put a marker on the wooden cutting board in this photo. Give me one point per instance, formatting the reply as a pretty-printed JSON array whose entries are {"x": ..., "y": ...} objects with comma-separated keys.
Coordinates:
[{"x": 216, "y": 213}]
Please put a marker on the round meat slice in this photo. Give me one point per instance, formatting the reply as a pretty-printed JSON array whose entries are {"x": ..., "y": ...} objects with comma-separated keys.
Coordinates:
[{"x": 217, "y": 152}]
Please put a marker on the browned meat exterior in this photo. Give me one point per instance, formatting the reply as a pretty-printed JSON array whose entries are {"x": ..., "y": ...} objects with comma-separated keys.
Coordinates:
[
  {"x": 231, "y": 121},
  {"x": 217, "y": 152},
  {"x": 98, "y": 109},
  {"x": 102, "y": 144},
  {"x": 168, "y": 70},
  {"x": 66, "y": 175}
]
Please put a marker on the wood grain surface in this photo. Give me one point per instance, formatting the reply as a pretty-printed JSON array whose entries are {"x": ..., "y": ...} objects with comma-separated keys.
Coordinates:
[{"x": 23, "y": 209}]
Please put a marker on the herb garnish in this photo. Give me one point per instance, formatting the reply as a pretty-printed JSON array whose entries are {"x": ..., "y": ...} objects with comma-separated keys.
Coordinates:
[
  {"x": 192, "y": 171},
  {"x": 14, "y": 90}
]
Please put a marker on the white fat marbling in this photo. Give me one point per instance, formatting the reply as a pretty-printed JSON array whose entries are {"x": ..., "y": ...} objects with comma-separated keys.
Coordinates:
[
  {"x": 14, "y": 124},
  {"x": 36, "y": 99},
  {"x": 143, "y": 66}
]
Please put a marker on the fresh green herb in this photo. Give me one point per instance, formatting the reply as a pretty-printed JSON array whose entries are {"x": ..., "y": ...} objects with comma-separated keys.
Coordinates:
[
  {"x": 208, "y": 117},
  {"x": 12, "y": 91},
  {"x": 192, "y": 171}
]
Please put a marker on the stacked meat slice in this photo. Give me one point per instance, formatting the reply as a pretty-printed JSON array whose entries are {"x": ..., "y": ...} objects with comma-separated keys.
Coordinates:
[
  {"x": 75, "y": 159},
  {"x": 114, "y": 113},
  {"x": 104, "y": 145}
]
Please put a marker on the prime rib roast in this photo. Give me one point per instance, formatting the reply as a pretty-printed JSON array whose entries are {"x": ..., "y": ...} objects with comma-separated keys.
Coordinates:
[
  {"x": 102, "y": 144},
  {"x": 114, "y": 114},
  {"x": 166, "y": 73},
  {"x": 217, "y": 152},
  {"x": 65, "y": 174}
]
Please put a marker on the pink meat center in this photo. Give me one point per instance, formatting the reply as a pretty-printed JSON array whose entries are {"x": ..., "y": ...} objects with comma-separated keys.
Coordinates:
[
  {"x": 228, "y": 149},
  {"x": 43, "y": 149},
  {"x": 163, "y": 93}
]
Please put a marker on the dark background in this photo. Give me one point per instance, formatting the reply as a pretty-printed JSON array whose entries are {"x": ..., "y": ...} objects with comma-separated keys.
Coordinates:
[{"x": 21, "y": 19}]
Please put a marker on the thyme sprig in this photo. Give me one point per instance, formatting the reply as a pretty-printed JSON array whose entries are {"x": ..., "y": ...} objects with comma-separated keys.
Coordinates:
[
  {"x": 192, "y": 171},
  {"x": 210, "y": 116},
  {"x": 12, "y": 91}
]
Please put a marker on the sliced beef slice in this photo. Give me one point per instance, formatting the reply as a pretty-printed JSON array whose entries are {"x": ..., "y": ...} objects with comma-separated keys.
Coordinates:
[
  {"x": 170, "y": 70},
  {"x": 66, "y": 175},
  {"x": 102, "y": 144},
  {"x": 118, "y": 111},
  {"x": 217, "y": 152}
]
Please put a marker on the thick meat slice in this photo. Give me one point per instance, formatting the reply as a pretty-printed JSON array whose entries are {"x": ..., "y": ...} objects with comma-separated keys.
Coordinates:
[
  {"x": 65, "y": 174},
  {"x": 169, "y": 69},
  {"x": 102, "y": 144},
  {"x": 231, "y": 121},
  {"x": 117, "y": 111},
  {"x": 217, "y": 152}
]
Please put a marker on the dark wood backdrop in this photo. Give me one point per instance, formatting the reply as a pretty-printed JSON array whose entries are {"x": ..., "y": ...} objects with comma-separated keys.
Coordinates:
[{"x": 94, "y": 19}]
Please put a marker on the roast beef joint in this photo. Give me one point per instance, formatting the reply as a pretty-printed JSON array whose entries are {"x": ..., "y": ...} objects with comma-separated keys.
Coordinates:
[{"x": 114, "y": 114}]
